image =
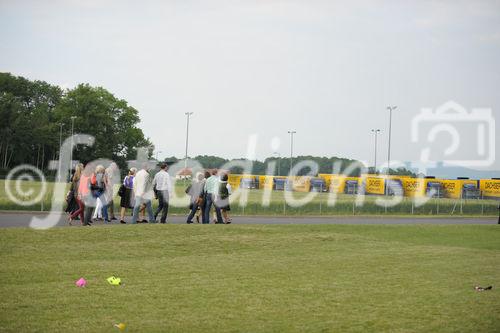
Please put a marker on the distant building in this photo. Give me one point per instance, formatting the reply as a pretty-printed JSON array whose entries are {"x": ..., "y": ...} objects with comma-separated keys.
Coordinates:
[{"x": 184, "y": 173}]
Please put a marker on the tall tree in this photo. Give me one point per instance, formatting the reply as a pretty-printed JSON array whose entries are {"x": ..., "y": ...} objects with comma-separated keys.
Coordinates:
[
  {"x": 27, "y": 133},
  {"x": 32, "y": 111},
  {"x": 111, "y": 121}
]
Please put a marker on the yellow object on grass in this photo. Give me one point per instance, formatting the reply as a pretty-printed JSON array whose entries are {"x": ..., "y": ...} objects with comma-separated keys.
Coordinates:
[
  {"x": 114, "y": 281},
  {"x": 120, "y": 326}
]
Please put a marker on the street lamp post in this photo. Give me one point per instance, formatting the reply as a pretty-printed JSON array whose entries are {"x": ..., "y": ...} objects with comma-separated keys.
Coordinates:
[
  {"x": 375, "y": 131},
  {"x": 158, "y": 152},
  {"x": 188, "y": 114},
  {"x": 279, "y": 162},
  {"x": 291, "y": 148},
  {"x": 59, "y": 157},
  {"x": 390, "y": 108},
  {"x": 72, "y": 142}
]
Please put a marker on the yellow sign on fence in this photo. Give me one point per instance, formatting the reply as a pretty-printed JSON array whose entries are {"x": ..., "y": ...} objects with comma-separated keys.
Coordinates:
[
  {"x": 336, "y": 183},
  {"x": 266, "y": 182},
  {"x": 301, "y": 183},
  {"x": 490, "y": 187},
  {"x": 234, "y": 181},
  {"x": 374, "y": 185},
  {"x": 413, "y": 187},
  {"x": 453, "y": 187}
]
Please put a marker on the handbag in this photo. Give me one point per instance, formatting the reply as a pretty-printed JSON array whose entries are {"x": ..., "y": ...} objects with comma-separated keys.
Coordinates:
[
  {"x": 121, "y": 190},
  {"x": 70, "y": 196}
]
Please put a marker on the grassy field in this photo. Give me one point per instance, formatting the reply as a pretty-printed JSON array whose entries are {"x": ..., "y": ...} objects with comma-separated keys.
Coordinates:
[
  {"x": 208, "y": 278},
  {"x": 345, "y": 204}
]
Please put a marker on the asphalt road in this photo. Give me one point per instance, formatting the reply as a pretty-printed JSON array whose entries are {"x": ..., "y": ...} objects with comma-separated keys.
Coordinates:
[{"x": 23, "y": 219}]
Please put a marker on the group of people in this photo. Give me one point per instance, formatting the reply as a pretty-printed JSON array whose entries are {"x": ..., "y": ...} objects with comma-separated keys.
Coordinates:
[
  {"x": 207, "y": 190},
  {"x": 91, "y": 195}
]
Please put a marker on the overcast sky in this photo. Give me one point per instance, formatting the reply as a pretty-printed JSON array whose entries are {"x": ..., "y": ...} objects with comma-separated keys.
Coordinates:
[{"x": 326, "y": 69}]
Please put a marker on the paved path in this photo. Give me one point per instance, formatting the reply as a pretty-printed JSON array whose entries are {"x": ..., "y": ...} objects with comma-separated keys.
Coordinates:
[{"x": 8, "y": 219}]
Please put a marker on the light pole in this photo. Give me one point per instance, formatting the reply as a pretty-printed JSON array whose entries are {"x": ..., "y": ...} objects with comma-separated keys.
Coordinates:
[
  {"x": 158, "y": 152},
  {"x": 279, "y": 162},
  {"x": 60, "y": 144},
  {"x": 291, "y": 148},
  {"x": 375, "y": 131},
  {"x": 390, "y": 108},
  {"x": 188, "y": 114},
  {"x": 72, "y": 142}
]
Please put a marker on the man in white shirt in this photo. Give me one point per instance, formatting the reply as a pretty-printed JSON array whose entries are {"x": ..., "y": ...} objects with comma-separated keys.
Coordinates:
[
  {"x": 211, "y": 191},
  {"x": 163, "y": 186},
  {"x": 143, "y": 191}
]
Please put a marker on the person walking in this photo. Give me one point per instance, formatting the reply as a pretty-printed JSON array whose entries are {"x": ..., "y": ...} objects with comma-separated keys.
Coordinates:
[
  {"x": 195, "y": 192},
  {"x": 214, "y": 213},
  {"x": 143, "y": 192},
  {"x": 112, "y": 175},
  {"x": 75, "y": 183},
  {"x": 201, "y": 212},
  {"x": 98, "y": 187},
  {"x": 163, "y": 186},
  {"x": 85, "y": 195},
  {"x": 211, "y": 190},
  {"x": 72, "y": 205},
  {"x": 126, "y": 194},
  {"x": 223, "y": 199}
]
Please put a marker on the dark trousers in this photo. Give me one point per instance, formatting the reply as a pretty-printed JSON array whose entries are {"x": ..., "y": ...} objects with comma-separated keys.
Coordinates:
[
  {"x": 111, "y": 208},
  {"x": 89, "y": 202},
  {"x": 194, "y": 208},
  {"x": 209, "y": 201},
  {"x": 162, "y": 206},
  {"x": 87, "y": 215}
]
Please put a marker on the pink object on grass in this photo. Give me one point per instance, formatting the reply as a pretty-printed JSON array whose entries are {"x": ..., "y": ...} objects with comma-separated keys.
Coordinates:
[{"x": 81, "y": 283}]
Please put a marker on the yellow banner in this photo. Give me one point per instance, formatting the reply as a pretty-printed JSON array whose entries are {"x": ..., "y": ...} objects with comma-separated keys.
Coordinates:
[
  {"x": 374, "y": 185},
  {"x": 490, "y": 187}
]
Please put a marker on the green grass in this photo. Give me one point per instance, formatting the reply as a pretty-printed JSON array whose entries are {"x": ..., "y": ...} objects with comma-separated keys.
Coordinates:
[
  {"x": 265, "y": 278},
  {"x": 345, "y": 204}
]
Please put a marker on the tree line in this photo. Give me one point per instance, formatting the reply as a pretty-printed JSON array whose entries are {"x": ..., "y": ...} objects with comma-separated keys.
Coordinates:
[{"x": 282, "y": 165}]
